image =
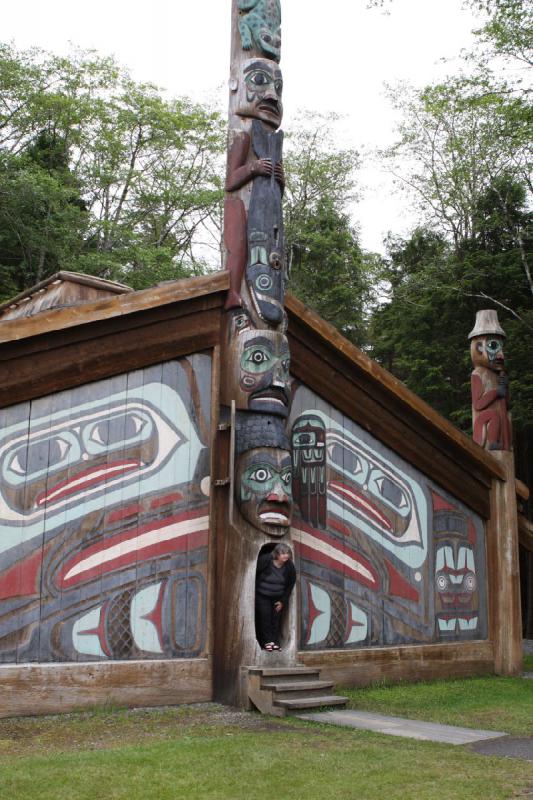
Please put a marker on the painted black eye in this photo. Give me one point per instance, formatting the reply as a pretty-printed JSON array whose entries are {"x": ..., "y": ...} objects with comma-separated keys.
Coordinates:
[
  {"x": 267, "y": 38},
  {"x": 260, "y": 79},
  {"x": 258, "y": 357},
  {"x": 442, "y": 582},
  {"x": 279, "y": 87}
]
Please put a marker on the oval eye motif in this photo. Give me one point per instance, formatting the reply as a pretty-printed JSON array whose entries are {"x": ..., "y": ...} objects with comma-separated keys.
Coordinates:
[
  {"x": 442, "y": 583},
  {"x": 391, "y": 492},
  {"x": 258, "y": 357},
  {"x": 264, "y": 282},
  {"x": 259, "y": 79},
  {"x": 470, "y": 582},
  {"x": 286, "y": 477},
  {"x": 261, "y": 475},
  {"x": 279, "y": 86}
]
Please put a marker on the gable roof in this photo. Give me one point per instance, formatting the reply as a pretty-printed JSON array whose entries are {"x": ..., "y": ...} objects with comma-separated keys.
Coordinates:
[{"x": 63, "y": 289}]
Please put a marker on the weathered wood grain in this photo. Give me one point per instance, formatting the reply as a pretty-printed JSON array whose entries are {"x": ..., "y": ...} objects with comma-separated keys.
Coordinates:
[
  {"x": 504, "y": 573},
  {"x": 126, "y": 304},
  {"x": 35, "y": 689},
  {"x": 416, "y": 663},
  {"x": 525, "y": 532}
]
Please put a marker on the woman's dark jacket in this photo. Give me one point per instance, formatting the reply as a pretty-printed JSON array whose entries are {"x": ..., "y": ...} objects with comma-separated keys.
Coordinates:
[{"x": 272, "y": 581}]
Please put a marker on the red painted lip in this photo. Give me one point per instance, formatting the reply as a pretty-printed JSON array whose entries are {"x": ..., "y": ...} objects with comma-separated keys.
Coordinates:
[
  {"x": 360, "y": 504},
  {"x": 84, "y": 480}
]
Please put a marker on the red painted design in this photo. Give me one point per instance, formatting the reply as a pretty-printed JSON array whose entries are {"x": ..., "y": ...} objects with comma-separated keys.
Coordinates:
[
  {"x": 316, "y": 556},
  {"x": 360, "y": 502},
  {"x": 472, "y": 535},
  {"x": 87, "y": 479},
  {"x": 399, "y": 587},
  {"x": 21, "y": 580},
  {"x": 156, "y": 615},
  {"x": 100, "y": 630},
  {"x": 124, "y": 513},
  {"x": 175, "y": 497},
  {"x": 314, "y": 613},
  {"x": 191, "y": 541},
  {"x": 440, "y": 504}
]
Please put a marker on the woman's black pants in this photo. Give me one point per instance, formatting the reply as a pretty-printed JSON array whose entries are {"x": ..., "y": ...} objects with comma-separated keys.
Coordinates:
[{"x": 267, "y": 619}]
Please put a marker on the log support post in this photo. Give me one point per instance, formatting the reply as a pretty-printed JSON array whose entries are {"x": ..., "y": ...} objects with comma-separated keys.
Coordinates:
[{"x": 506, "y": 615}]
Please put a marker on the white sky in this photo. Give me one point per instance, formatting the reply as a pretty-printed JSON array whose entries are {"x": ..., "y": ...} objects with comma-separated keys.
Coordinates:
[{"x": 335, "y": 58}]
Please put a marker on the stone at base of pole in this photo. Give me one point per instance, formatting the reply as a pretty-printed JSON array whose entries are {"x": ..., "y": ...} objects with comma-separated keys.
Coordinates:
[{"x": 505, "y": 606}]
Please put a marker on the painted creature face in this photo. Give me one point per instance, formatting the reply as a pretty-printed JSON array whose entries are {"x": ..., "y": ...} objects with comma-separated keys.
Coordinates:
[
  {"x": 261, "y": 372},
  {"x": 264, "y": 489},
  {"x": 457, "y": 599},
  {"x": 260, "y": 91},
  {"x": 487, "y": 351},
  {"x": 309, "y": 468},
  {"x": 264, "y": 274}
]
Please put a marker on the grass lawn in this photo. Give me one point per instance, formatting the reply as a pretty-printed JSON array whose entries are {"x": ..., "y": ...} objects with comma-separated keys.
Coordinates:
[
  {"x": 491, "y": 703},
  {"x": 528, "y": 663},
  {"x": 204, "y": 752}
]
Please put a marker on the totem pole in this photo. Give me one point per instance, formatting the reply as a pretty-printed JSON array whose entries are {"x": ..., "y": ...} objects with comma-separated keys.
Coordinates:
[
  {"x": 489, "y": 383},
  {"x": 492, "y": 430},
  {"x": 255, "y": 361}
]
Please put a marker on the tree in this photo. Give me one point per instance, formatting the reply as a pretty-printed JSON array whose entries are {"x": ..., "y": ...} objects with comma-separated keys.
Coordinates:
[
  {"x": 329, "y": 271},
  {"x": 146, "y": 171}
]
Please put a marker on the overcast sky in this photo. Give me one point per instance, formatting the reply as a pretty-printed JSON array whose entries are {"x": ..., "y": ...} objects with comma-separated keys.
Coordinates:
[{"x": 335, "y": 58}]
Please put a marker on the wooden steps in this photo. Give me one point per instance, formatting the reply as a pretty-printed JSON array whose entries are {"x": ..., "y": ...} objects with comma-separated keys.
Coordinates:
[{"x": 282, "y": 690}]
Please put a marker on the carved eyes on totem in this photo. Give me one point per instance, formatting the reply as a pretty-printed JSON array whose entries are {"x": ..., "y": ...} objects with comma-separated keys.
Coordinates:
[
  {"x": 259, "y": 80},
  {"x": 262, "y": 479},
  {"x": 494, "y": 346},
  {"x": 463, "y": 583},
  {"x": 261, "y": 359}
]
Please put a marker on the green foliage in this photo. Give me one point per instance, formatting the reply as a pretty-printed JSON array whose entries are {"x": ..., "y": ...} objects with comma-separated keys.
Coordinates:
[
  {"x": 329, "y": 271},
  {"x": 101, "y": 174}
]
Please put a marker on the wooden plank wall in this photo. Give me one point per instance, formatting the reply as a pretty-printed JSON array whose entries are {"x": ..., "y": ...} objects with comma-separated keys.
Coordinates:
[
  {"x": 59, "y": 688},
  {"x": 384, "y": 555},
  {"x": 104, "y": 518}
]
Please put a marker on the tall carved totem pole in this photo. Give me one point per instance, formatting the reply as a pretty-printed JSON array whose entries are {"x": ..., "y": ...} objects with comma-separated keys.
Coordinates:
[{"x": 255, "y": 364}]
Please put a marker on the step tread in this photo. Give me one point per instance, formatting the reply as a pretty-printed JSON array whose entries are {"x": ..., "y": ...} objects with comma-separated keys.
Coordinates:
[
  {"x": 313, "y": 702},
  {"x": 273, "y": 672},
  {"x": 299, "y": 686}
]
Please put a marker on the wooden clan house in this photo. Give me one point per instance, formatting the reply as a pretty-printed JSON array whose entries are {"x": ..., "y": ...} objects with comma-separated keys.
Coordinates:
[{"x": 154, "y": 444}]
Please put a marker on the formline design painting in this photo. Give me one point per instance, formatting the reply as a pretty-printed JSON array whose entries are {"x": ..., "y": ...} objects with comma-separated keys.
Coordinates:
[
  {"x": 104, "y": 518},
  {"x": 384, "y": 556}
]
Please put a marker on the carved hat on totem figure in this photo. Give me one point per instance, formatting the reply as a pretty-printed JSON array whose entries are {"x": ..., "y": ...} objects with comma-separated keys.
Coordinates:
[
  {"x": 257, "y": 377},
  {"x": 260, "y": 88},
  {"x": 263, "y": 475},
  {"x": 486, "y": 341}
]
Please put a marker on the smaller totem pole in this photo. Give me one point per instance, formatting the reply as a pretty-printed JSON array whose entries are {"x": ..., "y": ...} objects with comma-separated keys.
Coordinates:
[{"x": 491, "y": 428}]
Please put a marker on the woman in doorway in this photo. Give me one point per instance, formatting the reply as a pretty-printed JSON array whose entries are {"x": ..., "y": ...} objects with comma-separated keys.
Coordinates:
[{"x": 275, "y": 581}]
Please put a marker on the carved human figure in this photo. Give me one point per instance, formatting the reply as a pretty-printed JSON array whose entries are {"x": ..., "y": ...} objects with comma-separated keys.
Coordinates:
[
  {"x": 261, "y": 235},
  {"x": 489, "y": 384},
  {"x": 263, "y": 475},
  {"x": 257, "y": 376},
  {"x": 260, "y": 25}
]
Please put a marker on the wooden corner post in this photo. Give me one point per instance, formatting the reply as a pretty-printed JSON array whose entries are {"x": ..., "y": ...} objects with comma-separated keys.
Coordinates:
[{"x": 492, "y": 430}]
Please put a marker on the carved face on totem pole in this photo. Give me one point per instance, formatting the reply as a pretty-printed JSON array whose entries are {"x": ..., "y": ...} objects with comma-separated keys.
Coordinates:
[
  {"x": 260, "y": 89},
  {"x": 263, "y": 476},
  {"x": 487, "y": 351},
  {"x": 257, "y": 377}
]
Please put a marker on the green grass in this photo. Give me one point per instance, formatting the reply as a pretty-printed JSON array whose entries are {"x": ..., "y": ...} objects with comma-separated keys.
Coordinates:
[
  {"x": 208, "y": 752},
  {"x": 528, "y": 663},
  {"x": 492, "y": 703}
]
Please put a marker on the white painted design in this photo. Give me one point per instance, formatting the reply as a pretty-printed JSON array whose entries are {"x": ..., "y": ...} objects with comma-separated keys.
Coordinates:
[
  {"x": 144, "y": 540},
  {"x": 359, "y": 630},
  {"x": 332, "y": 552},
  {"x": 144, "y": 631},
  {"x": 88, "y": 643},
  {"x": 321, "y": 623}
]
